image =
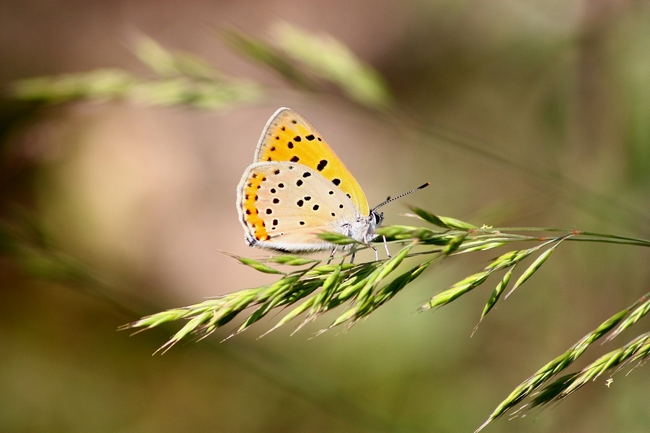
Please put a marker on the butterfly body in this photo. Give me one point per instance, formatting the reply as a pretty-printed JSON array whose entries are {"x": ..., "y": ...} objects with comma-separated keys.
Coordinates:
[{"x": 297, "y": 188}]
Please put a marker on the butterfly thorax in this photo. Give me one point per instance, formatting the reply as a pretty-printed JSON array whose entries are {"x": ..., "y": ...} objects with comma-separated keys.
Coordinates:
[{"x": 363, "y": 229}]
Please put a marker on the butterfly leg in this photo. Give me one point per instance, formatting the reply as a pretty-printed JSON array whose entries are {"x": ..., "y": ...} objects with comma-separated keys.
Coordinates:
[
  {"x": 375, "y": 250},
  {"x": 331, "y": 255},
  {"x": 352, "y": 256},
  {"x": 386, "y": 247}
]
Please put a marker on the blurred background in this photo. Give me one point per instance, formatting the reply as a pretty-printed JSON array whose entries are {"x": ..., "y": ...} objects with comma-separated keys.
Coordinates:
[{"x": 520, "y": 113}]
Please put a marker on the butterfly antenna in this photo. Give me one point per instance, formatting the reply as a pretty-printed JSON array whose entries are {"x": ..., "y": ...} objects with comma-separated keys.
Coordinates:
[{"x": 401, "y": 195}]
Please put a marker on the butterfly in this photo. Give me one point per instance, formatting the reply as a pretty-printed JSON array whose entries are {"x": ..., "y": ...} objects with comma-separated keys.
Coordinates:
[{"x": 297, "y": 188}]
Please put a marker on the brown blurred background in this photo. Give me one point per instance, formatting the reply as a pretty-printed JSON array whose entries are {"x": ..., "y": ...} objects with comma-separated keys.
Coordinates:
[{"x": 549, "y": 106}]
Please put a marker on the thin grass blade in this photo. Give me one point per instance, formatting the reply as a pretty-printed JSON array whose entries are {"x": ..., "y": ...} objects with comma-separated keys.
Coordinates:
[
  {"x": 337, "y": 238},
  {"x": 639, "y": 310},
  {"x": 428, "y": 217},
  {"x": 454, "y": 223},
  {"x": 457, "y": 290},
  {"x": 291, "y": 260},
  {"x": 552, "y": 368},
  {"x": 257, "y": 265},
  {"x": 454, "y": 244},
  {"x": 636, "y": 350},
  {"x": 496, "y": 294},
  {"x": 532, "y": 269}
]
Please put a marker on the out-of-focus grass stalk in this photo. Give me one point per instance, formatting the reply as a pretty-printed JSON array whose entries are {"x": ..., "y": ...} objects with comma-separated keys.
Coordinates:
[{"x": 638, "y": 349}]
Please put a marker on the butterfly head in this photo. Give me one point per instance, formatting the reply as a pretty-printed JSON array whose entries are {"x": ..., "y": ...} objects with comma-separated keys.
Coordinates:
[{"x": 376, "y": 218}]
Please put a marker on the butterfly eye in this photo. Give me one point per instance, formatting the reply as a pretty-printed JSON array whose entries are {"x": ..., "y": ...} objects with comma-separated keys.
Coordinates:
[{"x": 377, "y": 218}]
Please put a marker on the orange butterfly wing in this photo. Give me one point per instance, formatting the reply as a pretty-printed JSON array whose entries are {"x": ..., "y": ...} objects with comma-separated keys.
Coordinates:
[{"x": 289, "y": 137}]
